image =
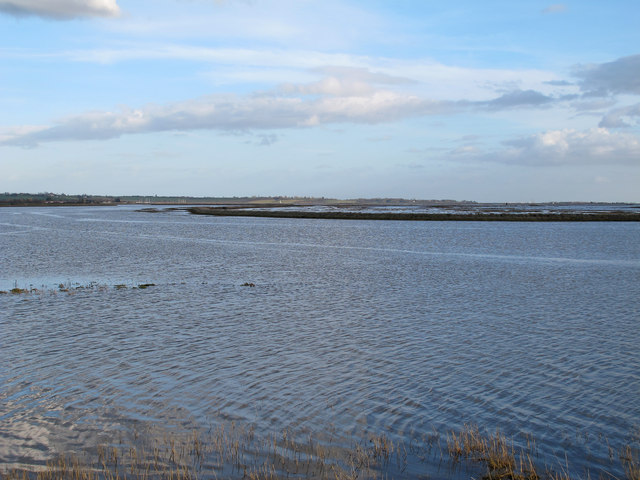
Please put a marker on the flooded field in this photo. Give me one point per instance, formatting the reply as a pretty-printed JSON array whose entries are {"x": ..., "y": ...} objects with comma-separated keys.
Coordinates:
[{"x": 285, "y": 336}]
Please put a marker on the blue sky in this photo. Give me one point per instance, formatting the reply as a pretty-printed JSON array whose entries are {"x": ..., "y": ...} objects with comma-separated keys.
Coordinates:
[{"x": 487, "y": 101}]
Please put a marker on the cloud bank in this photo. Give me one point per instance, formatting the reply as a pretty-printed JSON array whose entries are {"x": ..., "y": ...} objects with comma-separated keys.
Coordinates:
[{"x": 61, "y": 9}]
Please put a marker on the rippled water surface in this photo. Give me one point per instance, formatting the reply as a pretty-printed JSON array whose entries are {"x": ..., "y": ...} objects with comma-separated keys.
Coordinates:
[{"x": 352, "y": 326}]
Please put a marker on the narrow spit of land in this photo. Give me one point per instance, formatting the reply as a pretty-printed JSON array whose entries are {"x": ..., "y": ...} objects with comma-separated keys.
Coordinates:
[{"x": 344, "y": 214}]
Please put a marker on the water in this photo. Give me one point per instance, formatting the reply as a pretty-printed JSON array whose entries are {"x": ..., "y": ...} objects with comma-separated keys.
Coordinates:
[{"x": 352, "y": 326}]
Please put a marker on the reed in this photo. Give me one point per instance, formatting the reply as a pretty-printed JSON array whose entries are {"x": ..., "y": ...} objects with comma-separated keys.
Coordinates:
[
  {"x": 630, "y": 459},
  {"x": 233, "y": 451}
]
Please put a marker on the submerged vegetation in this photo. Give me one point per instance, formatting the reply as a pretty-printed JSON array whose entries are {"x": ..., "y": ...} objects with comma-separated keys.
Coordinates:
[
  {"x": 72, "y": 288},
  {"x": 237, "y": 452}
]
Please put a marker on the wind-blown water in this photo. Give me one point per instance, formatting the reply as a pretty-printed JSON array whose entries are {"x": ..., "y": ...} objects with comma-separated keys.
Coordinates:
[{"x": 352, "y": 326}]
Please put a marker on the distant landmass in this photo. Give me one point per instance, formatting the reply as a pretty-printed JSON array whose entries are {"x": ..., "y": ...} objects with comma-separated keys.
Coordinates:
[
  {"x": 351, "y": 209},
  {"x": 38, "y": 199},
  {"x": 53, "y": 199}
]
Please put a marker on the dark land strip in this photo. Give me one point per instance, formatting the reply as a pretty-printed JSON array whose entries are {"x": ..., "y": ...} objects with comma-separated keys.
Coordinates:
[{"x": 345, "y": 215}]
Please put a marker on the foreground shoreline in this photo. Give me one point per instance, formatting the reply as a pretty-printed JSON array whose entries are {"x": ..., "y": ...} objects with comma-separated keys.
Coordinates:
[
  {"x": 236, "y": 451},
  {"x": 350, "y": 215}
]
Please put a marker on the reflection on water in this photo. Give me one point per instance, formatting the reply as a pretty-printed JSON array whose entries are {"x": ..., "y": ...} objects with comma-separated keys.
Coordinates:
[{"x": 352, "y": 327}]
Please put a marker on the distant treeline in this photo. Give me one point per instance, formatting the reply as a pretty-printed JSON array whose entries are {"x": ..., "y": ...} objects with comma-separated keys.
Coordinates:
[
  {"x": 53, "y": 199},
  {"x": 46, "y": 198}
]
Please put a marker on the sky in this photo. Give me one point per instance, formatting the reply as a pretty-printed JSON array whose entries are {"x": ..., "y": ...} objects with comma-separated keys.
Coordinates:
[{"x": 492, "y": 101}]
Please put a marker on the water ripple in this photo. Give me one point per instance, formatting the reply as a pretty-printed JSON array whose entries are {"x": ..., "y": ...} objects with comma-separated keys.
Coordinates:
[{"x": 349, "y": 328}]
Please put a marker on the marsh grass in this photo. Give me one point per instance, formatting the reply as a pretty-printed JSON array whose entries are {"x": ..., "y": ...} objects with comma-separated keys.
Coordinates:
[
  {"x": 232, "y": 451},
  {"x": 630, "y": 459},
  {"x": 228, "y": 452}
]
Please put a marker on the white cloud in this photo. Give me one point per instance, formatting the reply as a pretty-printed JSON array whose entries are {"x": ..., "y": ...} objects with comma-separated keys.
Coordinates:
[
  {"x": 61, "y": 9},
  {"x": 233, "y": 113},
  {"x": 350, "y": 94},
  {"x": 573, "y": 147},
  {"x": 569, "y": 147}
]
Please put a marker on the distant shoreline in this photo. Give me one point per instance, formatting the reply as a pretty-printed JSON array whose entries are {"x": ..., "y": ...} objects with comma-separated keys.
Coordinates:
[
  {"x": 354, "y": 209},
  {"x": 344, "y": 215}
]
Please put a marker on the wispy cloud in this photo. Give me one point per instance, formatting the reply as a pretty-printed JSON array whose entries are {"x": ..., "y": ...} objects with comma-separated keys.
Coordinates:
[
  {"x": 555, "y": 8},
  {"x": 518, "y": 98},
  {"x": 267, "y": 140},
  {"x": 344, "y": 81},
  {"x": 594, "y": 106},
  {"x": 352, "y": 95},
  {"x": 364, "y": 75},
  {"x": 288, "y": 68},
  {"x": 61, "y": 9},
  {"x": 234, "y": 56}
]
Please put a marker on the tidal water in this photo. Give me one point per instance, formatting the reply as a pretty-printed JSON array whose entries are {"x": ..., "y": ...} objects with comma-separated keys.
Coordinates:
[{"x": 398, "y": 327}]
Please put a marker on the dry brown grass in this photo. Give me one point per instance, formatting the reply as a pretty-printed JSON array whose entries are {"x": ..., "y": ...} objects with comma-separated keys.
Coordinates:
[
  {"x": 495, "y": 452},
  {"x": 232, "y": 451},
  {"x": 630, "y": 459}
]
